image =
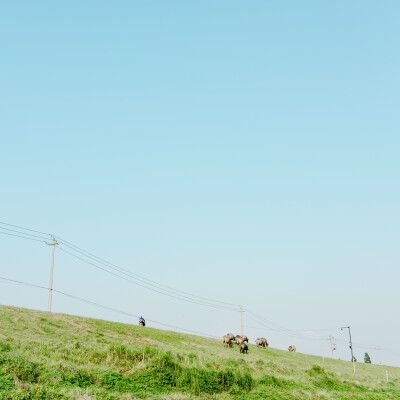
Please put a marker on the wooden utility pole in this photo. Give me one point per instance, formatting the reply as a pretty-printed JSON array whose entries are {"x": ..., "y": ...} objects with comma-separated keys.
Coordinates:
[
  {"x": 54, "y": 243},
  {"x": 379, "y": 355},
  {"x": 333, "y": 345},
  {"x": 241, "y": 319}
]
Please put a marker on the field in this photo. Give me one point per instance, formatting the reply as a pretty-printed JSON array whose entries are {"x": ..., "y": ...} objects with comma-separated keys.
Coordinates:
[{"x": 57, "y": 356}]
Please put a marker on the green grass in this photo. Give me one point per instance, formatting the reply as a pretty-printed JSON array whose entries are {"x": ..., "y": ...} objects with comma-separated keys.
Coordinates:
[{"x": 58, "y": 356}]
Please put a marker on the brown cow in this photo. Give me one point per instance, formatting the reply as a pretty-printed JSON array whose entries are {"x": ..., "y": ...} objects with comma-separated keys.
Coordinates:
[
  {"x": 238, "y": 339},
  {"x": 227, "y": 341},
  {"x": 230, "y": 335},
  {"x": 261, "y": 342},
  {"x": 243, "y": 347}
]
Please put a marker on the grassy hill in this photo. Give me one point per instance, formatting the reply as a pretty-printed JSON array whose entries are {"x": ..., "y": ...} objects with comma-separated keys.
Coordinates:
[{"x": 57, "y": 356}]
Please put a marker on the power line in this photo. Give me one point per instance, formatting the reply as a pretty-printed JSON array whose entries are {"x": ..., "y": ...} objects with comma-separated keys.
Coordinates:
[
  {"x": 137, "y": 276},
  {"x": 128, "y": 314},
  {"x": 25, "y": 229},
  {"x": 147, "y": 287},
  {"x": 146, "y": 283},
  {"x": 286, "y": 332},
  {"x": 133, "y": 315},
  {"x": 278, "y": 328},
  {"x": 23, "y": 283},
  {"x": 153, "y": 285},
  {"x": 23, "y": 233},
  {"x": 145, "y": 280},
  {"x": 23, "y": 237},
  {"x": 104, "y": 307},
  {"x": 160, "y": 289},
  {"x": 268, "y": 322}
]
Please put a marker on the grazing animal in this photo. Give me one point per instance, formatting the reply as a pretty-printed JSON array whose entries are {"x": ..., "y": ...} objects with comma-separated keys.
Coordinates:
[
  {"x": 245, "y": 338},
  {"x": 243, "y": 347},
  {"x": 230, "y": 335},
  {"x": 261, "y": 342},
  {"x": 227, "y": 341},
  {"x": 292, "y": 348},
  {"x": 238, "y": 339}
]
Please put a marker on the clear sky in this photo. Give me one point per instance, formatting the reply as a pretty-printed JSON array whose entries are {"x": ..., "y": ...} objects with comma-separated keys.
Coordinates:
[{"x": 240, "y": 151}]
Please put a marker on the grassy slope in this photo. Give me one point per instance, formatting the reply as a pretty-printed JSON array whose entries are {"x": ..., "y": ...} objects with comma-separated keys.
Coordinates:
[{"x": 60, "y": 356}]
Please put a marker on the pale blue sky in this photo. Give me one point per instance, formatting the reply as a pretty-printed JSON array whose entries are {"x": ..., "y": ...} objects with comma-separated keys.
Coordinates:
[{"x": 243, "y": 152}]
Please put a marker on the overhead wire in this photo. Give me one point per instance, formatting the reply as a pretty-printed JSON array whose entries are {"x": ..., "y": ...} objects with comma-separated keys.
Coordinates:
[
  {"x": 163, "y": 289},
  {"x": 278, "y": 328},
  {"x": 147, "y": 287},
  {"x": 287, "y": 332},
  {"x": 136, "y": 316},
  {"x": 151, "y": 285},
  {"x": 145, "y": 282},
  {"x": 103, "y": 306},
  {"x": 137, "y": 276},
  {"x": 23, "y": 283},
  {"x": 23, "y": 233},
  {"x": 23, "y": 237},
  {"x": 25, "y": 229}
]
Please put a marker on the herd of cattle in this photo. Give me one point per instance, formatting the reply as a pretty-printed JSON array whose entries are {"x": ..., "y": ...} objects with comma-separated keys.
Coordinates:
[{"x": 242, "y": 342}]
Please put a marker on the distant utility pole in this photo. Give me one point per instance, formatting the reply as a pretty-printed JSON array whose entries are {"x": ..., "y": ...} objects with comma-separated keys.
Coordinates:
[
  {"x": 54, "y": 243},
  {"x": 351, "y": 347},
  {"x": 379, "y": 355},
  {"x": 241, "y": 319},
  {"x": 333, "y": 345}
]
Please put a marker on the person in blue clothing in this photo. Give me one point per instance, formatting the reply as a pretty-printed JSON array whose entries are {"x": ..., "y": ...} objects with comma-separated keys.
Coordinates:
[{"x": 142, "y": 322}]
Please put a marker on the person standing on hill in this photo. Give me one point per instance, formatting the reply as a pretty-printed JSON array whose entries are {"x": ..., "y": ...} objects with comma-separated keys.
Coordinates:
[{"x": 142, "y": 322}]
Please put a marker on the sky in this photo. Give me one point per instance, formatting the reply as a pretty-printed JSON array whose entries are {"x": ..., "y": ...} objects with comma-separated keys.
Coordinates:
[{"x": 242, "y": 152}]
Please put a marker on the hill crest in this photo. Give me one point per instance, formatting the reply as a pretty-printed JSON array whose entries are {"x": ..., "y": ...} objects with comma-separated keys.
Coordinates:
[{"x": 59, "y": 356}]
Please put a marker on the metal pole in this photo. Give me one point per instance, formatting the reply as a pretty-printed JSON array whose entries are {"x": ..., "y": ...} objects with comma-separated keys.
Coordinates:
[
  {"x": 53, "y": 244},
  {"x": 351, "y": 348},
  {"x": 352, "y": 357}
]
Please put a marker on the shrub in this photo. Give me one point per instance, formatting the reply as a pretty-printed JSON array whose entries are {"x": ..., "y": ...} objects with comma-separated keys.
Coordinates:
[
  {"x": 6, "y": 383},
  {"x": 76, "y": 378},
  {"x": 21, "y": 368},
  {"x": 270, "y": 380},
  {"x": 4, "y": 346}
]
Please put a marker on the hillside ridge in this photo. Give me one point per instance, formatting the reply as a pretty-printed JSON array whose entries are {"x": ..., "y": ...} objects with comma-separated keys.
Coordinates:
[{"x": 60, "y": 356}]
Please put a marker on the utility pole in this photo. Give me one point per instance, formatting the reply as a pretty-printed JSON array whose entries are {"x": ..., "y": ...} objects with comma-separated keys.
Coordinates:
[
  {"x": 54, "y": 243},
  {"x": 379, "y": 355},
  {"x": 241, "y": 319},
  {"x": 351, "y": 347},
  {"x": 333, "y": 345}
]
